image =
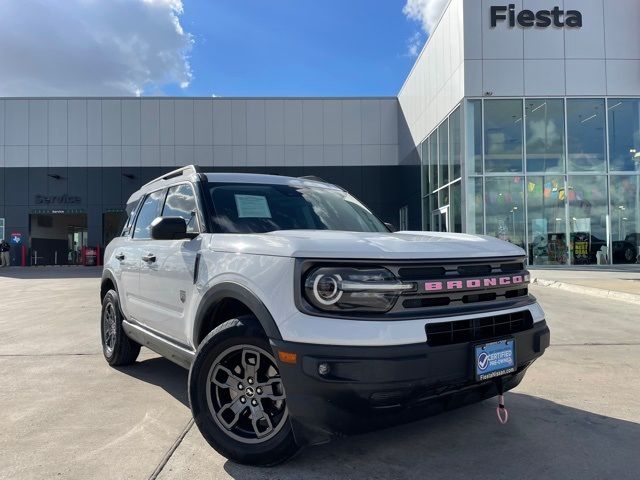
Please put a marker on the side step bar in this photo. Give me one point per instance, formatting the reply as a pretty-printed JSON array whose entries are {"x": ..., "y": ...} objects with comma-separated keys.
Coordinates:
[{"x": 167, "y": 349}]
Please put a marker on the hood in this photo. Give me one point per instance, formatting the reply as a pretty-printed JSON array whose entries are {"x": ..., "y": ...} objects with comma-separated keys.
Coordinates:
[{"x": 365, "y": 245}]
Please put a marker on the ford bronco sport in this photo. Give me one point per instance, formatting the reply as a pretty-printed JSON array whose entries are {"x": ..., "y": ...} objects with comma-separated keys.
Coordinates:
[{"x": 300, "y": 315}]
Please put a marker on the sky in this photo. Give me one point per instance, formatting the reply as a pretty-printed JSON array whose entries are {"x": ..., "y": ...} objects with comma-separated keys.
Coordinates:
[{"x": 211, "y": 47}]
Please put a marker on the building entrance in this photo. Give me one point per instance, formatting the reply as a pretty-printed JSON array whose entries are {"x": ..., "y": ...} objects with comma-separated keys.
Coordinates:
[
  {"x": 57, "y": 239},
  {"x": 112, "y": 224},
  {"x": 440, "y": 220}
]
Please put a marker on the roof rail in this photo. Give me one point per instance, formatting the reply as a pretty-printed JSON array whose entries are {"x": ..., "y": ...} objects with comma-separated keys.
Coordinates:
[
  {"x": 313, "y": 178},
  {"x": 187, "y": 170}
]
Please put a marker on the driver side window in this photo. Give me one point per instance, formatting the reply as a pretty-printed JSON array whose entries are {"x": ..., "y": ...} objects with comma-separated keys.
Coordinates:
[
  {"x": 181, "y": 202},
  {"x": 148, "y": 212}
]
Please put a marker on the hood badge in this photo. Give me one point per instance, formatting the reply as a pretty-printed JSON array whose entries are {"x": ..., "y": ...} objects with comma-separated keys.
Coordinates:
[{"x": 183, "y": 296}]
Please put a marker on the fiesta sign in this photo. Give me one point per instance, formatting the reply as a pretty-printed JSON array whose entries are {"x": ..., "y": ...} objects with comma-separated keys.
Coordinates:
[
  {"x": 541, "y": 19},
  {"x": 475, "y": 283}
]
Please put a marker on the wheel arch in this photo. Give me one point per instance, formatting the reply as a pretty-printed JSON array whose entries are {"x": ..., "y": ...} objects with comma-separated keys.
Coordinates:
[
  {"x": 239, "y": 295},
  {"x": 107, "y": 283}
]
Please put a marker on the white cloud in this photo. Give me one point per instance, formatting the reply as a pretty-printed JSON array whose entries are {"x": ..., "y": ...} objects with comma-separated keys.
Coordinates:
[
  {"x": 413, "y": 44},
  {"x": 427, "y": 12},
  {"x": 92, "y": 47}
]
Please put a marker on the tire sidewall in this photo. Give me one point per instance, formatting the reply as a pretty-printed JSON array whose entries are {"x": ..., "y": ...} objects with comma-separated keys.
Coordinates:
[
  {"x": 238, "y": 331},
  {"x": 111, "y": 298}
]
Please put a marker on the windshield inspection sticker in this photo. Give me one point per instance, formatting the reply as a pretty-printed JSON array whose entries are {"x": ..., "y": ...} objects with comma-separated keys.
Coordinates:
[{"x": 252, "y": 206}]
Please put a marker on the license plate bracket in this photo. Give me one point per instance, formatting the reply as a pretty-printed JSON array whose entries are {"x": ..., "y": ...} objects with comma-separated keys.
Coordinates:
[{"x": 494, "y": 359}]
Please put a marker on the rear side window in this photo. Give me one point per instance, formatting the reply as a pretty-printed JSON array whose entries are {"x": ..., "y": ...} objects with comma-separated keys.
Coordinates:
[
  {"x": 181, "y": 202},
  {"x": 148, "y": 212}
]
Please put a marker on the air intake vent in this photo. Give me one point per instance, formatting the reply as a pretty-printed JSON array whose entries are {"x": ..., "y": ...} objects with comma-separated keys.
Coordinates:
[
  {"x": 486, "y": 328},
  {"x": 417, "y": 273},
  {"x": 474, "y": 270}
]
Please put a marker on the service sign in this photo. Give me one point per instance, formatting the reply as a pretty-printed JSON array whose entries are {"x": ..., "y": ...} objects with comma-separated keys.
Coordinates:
[{"x": 16, "y": 238}]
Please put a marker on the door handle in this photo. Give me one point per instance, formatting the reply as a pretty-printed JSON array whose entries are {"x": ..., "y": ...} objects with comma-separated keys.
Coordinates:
[
  {"x": 120, "y": 256},
  {"x": 149, "y": 258}
]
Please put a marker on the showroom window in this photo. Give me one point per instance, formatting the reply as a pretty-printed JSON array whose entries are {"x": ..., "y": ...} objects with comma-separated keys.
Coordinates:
[
  {"x": 504, "y": 203},
  {"x": 625, "y": 218},
  {"x": 624, "y": 135},
  {"x": 545, "y": 135},
  {"x": 456, "y": 207},
  {"x": 433, "y": 165},
  {"x": 587, "y": 199},
  {"x": 455, "y": 143},
  {"x": 546, "y": 213},
  {"x": 566, "y": 208},
  {"x": 586, "y": 135},
  {"x": 443, "y": 153},
  {"x": 425, "y": 166},
  {"x": 503, "y": 136},
  {"x": 426, "y": 214},
  {"x": 474, "y": 137},
  {"x": 475, "y": 206}
]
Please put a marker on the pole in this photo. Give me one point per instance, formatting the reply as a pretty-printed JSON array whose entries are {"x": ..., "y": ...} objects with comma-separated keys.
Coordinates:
[{"x": 637, "y": 212}]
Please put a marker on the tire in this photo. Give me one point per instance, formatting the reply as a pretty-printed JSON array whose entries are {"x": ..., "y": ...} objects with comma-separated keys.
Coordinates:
[
  {"x": 629, "y": 255},
  {"x": 254, "y": 431},
  {"x": 118, "y": 349}
]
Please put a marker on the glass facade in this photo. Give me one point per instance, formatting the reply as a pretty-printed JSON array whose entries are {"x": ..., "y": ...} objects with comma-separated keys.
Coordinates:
[
  {"x": 441, "y": 159},
  {"x": 545, "y": 135},
  {"x": 503, "y": 136},
  {"x": 558, "y": 177}
]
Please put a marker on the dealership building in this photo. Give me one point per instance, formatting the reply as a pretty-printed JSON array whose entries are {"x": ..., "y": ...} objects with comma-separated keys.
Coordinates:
[{"x": 518, "y": 120}]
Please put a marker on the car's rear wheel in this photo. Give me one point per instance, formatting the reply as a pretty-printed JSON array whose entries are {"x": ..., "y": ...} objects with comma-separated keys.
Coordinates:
[
  {"x": 237, "y": 396},
  {"x": 118, "y": 349}
]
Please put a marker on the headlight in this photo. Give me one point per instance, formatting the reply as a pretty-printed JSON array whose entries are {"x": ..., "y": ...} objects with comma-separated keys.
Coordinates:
[{"x": 353, "y": 289}]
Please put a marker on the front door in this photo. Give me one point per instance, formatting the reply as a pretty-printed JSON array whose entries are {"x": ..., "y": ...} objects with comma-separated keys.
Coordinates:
[
  {"x": 440, "y": 220},
  {"x": 167, "y": 270}
]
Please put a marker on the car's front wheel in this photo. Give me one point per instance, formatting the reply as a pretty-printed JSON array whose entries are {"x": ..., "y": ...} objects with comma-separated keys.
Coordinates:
[{"x": 237, "y": 396}]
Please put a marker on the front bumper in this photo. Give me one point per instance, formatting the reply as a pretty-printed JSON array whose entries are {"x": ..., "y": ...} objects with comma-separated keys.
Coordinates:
[{"x": 375, "y": 387}]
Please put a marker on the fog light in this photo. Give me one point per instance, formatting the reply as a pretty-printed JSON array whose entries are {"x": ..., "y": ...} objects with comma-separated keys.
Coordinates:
[{"x": 324, "y": 369}]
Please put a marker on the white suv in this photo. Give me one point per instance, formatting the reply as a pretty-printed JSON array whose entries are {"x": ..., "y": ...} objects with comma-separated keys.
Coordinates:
[{"x": 300, "y": 315}]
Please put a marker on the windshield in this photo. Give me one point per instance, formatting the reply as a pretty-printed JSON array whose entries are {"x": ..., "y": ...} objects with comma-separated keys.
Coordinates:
[{"x": 259, "y": 208}]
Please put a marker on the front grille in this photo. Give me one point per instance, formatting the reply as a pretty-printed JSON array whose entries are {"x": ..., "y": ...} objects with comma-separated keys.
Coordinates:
[
  {"x": 485, "y": 328},
  {"x": 455, "y": 270},
  {"x": 454, "y": 294}
]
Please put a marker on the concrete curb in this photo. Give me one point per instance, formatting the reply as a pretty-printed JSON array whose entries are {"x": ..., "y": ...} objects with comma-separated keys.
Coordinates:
[{"x": 594, "y": 292}]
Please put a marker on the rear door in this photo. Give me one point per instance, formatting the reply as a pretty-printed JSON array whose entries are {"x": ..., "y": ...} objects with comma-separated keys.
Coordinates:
[{"x": 167, "y": 274}]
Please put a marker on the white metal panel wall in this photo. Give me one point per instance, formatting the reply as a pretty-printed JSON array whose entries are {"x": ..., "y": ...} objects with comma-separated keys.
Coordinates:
[
  {"x": 600, "y": 58},
  {"x": 436, "y": 83},
  {"x": 167, "y": 132}
]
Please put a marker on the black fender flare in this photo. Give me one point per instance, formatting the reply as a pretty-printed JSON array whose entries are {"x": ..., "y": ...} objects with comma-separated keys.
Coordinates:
[
  {"x": 236, "y": 291},
  {"x": 107, "y": 275}
]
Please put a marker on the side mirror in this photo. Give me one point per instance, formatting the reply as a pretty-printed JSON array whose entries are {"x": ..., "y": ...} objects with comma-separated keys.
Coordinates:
[
  {"x": 169, "y": 228},
  {"x": 390, "y": 227}
]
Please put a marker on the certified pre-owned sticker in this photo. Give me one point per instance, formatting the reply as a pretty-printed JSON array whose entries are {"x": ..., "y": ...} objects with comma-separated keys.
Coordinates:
[{"x": 494, "y": 359}]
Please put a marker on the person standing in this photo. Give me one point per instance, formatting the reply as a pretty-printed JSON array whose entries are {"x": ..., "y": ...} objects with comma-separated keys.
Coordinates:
[{"x": 4, "y": 253}]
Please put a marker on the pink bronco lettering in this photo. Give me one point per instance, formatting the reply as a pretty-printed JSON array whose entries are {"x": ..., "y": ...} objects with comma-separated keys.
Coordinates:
[{"x": 473, "y": 283}]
